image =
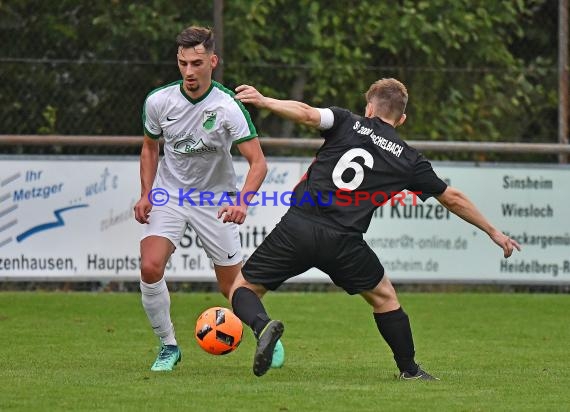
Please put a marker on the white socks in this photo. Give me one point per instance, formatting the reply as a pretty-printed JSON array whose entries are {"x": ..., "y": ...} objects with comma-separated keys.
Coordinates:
[{"x": 156, "y": 304}]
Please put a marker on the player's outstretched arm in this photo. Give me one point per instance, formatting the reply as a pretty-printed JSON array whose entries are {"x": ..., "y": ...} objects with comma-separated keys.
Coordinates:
[
  {"x": 457, "y": 202},
  {"x": 298, "y": 112}
]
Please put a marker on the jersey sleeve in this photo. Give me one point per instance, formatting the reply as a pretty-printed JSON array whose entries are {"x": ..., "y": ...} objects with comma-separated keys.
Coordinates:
[
  {"x": 239, "y": 123},
  {"x": 327, "y": 119},
  {"x": 340, "y": 116},
  {"x": 150, "y": 116},
  {"x": 425, "y": 182}
]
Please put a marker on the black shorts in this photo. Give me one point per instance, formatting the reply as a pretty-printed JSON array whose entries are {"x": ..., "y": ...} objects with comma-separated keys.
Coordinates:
[{"x": 300, "y": 242}]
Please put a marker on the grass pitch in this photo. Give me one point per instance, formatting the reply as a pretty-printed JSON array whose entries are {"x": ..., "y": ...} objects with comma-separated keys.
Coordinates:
[{"x": 82, "y": 351}]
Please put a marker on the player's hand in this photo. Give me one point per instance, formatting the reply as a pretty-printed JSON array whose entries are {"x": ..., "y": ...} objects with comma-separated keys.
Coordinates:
[
  {"x": 506, "y": 243},
  {"x": 249, "y": 94},
  {"x": 234, "y": 214},
  {"x": 142, "y": 209}
]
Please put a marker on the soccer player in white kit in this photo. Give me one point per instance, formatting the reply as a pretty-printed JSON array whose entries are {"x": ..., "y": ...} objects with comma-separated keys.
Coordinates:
[{"x": 200, "y": 121}]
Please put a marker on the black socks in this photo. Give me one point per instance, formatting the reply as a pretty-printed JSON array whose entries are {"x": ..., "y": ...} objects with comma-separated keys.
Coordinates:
[
  {"x": 248, "y": 307},
  {"x": 394, "y": 326}
]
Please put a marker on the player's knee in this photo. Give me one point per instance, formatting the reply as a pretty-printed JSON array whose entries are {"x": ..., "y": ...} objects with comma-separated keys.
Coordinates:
[
  {"x": 151, "y": 271},
  {"x": 238, "y": 282},
  {"x": 383, "y": 297},
  {"x": 387, "y": 291},
  {"x": 390, "y": 300},
  {"x": 388, "y": 303}
]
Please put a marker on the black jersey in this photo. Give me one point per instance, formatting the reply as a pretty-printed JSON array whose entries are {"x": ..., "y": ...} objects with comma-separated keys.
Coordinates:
[{"x": 361, "y": 165}]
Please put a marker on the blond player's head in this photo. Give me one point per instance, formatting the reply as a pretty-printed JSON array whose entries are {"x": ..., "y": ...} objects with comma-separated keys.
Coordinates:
[{"x": 387, "y": 99}]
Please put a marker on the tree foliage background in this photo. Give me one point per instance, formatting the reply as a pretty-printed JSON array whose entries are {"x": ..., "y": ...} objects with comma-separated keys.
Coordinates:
[{"x": 483, "y": 70}]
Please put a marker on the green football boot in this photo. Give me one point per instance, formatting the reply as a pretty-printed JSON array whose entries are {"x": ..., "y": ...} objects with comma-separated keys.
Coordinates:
[
  {"x": 168, "y": 356},
  {"x": 278, "y": 355}
]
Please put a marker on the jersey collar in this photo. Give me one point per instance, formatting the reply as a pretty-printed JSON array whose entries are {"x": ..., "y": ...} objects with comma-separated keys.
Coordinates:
[
  {"x": 383, "y": 121},
  {"x": 199, "y": 99}
]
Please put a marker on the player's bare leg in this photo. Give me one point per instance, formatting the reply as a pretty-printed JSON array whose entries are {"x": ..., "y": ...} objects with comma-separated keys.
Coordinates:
[{"x": 226, "y": 276}]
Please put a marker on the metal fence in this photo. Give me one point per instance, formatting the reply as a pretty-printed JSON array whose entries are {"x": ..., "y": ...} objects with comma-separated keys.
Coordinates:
[
  {"x": 106, "y": 97},
  {"x": 130, "y": 145}
]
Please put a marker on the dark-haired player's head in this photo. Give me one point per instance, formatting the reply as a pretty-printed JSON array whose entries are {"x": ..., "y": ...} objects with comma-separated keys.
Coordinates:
[
  {"x": 194, "y": 36},
  {"x": 196, "y": 59}
]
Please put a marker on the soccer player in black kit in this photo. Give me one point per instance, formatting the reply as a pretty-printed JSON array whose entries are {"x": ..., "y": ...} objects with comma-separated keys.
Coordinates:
[{"x": 360, "y": 157}]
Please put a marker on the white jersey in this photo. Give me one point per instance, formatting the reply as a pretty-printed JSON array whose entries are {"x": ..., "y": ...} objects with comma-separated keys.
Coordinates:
[{"x": 198, "y": 135}]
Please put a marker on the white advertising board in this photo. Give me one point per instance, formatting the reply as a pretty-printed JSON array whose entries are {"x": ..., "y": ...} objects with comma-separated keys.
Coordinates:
[
  {"x": 530, "y": 204},
  {"x": 73, "y": 220}
]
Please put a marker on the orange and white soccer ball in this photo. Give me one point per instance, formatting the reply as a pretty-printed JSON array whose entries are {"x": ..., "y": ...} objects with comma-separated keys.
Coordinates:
[{"x": 218, "y": 331}]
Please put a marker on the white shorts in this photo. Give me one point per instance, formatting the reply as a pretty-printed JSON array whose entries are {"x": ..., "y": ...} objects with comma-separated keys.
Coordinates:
[{"x": 221, "y": 241}]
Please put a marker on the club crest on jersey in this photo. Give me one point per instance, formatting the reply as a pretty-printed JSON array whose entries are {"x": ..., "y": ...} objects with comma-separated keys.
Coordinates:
[{"x": 209, "y": 120}]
